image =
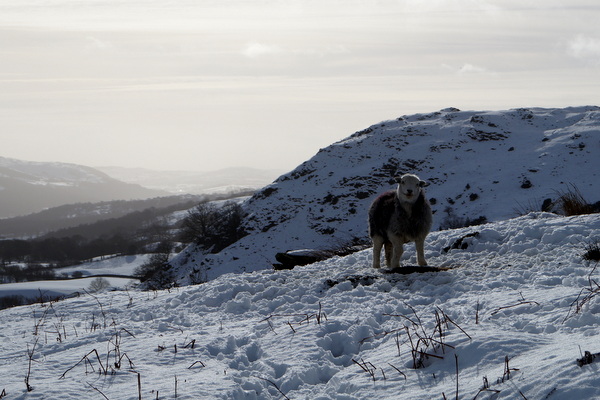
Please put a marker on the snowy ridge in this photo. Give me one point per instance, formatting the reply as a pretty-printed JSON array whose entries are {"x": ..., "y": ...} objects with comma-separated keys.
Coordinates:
[
  {"x": 303, "y": 333},
  {"x": 479, "y": 163}
]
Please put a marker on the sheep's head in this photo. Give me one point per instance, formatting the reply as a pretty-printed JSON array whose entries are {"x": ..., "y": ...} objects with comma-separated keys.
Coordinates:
[{"x": 409, "y": 187}]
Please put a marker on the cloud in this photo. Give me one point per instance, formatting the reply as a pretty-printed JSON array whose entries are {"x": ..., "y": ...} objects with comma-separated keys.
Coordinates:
[
  {"x": 584, "y": 47},
  {"x": 471, "y": 69},
  {"x": 254, "y": 50},
  {"x": 466, "y": 69}
]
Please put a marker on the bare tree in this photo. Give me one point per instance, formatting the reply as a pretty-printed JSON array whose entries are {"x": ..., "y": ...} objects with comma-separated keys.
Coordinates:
[
  {"x": 214, "y": 227},
  {"x": 98, "y": 285}
]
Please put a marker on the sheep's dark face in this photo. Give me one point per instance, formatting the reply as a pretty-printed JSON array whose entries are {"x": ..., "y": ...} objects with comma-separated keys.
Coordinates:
[{"x": 409, "y": 187}]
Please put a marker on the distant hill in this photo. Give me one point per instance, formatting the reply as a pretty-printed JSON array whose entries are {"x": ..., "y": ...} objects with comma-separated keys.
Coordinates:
[
  {"x": 27, "y": 187},
  {"x": 482, "y": 165},
  {"x": 225, "y": 180}
]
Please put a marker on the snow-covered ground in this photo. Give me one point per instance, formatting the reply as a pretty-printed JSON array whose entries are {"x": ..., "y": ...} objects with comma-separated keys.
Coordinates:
[
  {"x": 334, "y": 330},
  {"x": 50, "y": 290},
  {"x": 121, "y": 265}
]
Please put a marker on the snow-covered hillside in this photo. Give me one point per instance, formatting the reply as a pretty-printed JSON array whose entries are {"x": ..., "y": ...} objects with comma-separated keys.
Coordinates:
[
  {"x": 479, "y": 163},
  {"x": 336, "y": 329}
]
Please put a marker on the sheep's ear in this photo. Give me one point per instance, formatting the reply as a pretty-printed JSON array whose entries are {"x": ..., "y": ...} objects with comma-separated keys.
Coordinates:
[
  {"x": 398, "y": 179},
  {"x": 423, "y": 183}
]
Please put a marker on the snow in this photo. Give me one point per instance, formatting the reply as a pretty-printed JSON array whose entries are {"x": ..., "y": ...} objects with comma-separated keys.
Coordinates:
[
  {"x": 112, "y": 266},
  {"x": 511, "y": 311},
  {"x": 316, "y": 331},
  {"x": 120, "y": 265},
  {"x": 57, "y": 288}
]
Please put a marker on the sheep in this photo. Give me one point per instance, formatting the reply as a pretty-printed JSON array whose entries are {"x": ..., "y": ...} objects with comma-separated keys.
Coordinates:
[{"x": 397, "y": 217}]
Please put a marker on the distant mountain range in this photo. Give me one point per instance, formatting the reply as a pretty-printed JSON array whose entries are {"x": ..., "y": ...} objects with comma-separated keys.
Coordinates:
[
  {"x": 27, "y": 187},
  {"x": 194, "y": 182}
]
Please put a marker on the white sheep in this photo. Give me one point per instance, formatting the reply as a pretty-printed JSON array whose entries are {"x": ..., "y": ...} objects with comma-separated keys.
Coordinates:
[{"x": 397, "y": 217}]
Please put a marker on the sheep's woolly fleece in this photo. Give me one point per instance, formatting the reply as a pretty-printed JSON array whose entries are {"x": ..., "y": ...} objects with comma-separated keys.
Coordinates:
[{"x": 336, "y": 329}]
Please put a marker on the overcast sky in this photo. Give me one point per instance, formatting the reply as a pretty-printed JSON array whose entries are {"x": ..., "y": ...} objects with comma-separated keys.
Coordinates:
[{"x": 207, "y": 84}]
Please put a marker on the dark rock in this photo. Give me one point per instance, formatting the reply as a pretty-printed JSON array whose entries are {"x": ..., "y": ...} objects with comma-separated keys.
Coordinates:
[
  {"x": 291, "y": 259},
  {"x": 460, "y": 243},
  {"x": 526, "y": 184}
]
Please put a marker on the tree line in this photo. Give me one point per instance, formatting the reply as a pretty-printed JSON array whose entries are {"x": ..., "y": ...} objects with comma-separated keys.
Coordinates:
[
  {"x": 210, "y": 226},
  {"x": 60, "y": 252}
]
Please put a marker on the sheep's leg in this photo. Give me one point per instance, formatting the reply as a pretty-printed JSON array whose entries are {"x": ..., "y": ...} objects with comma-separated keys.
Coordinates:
[
  {"x": 398, "y": 250},
  {"x": 419, "y": 245},
  {"x": 377, "y": 245},
  {"x": 389, "y": 249}
]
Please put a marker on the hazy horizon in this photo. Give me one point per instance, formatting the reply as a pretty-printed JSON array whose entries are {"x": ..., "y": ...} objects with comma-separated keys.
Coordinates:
[{"x": 206, "y": 85}]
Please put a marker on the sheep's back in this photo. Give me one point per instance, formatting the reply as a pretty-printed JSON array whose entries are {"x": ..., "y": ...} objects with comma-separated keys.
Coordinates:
[{"x": 380, "y": 212}]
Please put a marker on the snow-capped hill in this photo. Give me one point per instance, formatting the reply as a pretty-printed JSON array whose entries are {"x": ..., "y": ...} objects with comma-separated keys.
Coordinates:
[
  {"x": 479, "y": 163},
  {"x": 27, "y": 186}
]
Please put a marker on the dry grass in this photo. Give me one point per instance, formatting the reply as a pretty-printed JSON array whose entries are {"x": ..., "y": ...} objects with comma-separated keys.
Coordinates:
[
  {"x": 592, "y": 251},
  {"x": 587, "y": 293},
  {"x": 571, "y": 202}
]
